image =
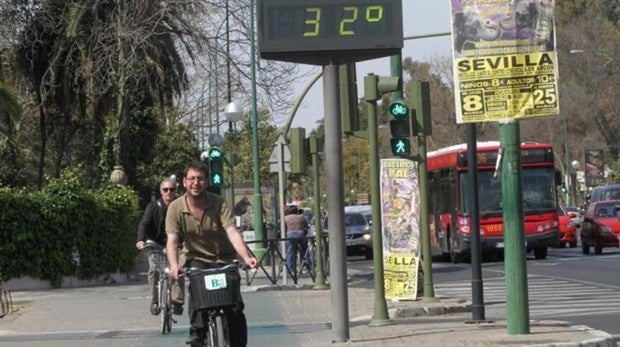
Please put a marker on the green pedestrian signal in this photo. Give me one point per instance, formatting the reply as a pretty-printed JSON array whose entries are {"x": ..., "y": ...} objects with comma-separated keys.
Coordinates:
[
  {"x": 216, "y": 167},
  {"x": 216, "y": 179},
  {"x": 400, "y": 146}
]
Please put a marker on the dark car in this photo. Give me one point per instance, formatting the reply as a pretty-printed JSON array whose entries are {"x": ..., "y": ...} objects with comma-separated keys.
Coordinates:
[
  {"x": 357, "y": 234},
  {"x": 601, "y": 226}
]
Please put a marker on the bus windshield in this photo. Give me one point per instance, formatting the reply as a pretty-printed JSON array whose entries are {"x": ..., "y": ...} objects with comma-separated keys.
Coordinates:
[{"x": 537, "y": 185}]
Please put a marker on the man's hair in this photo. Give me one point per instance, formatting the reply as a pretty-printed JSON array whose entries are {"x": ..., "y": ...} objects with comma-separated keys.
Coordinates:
[
  {"x": 195, "y": 165},
  {"x": 168, "y": 180}
]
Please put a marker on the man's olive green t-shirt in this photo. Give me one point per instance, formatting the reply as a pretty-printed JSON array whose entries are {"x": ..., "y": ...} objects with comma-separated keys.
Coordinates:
[{"x": 203, "y": 239}]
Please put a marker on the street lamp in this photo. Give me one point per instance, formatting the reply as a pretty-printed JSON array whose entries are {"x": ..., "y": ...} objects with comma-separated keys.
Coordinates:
[
  {"x": 233, "y": 113},
  {"x": 257, "y": 201}
]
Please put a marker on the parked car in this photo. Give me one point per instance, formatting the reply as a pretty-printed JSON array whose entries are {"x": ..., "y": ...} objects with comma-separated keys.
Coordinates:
[
  {"x": 601, "y": 226},
  {"x": 604, "y": 192},
  {"x": 568, "y": 228},
  {"x": 358, "y": 234}
]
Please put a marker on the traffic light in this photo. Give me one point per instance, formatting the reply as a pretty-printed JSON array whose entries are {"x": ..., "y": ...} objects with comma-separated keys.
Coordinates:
[
  {"x": 216, "y": 167},
  {"x": 400, "y": 127},
  {"x": 375, "y": 85}
]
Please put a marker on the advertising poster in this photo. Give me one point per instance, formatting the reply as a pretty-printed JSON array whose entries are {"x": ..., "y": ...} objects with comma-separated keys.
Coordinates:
[
  {"x": 400, "y": 203},
  {"x": 505, "y": 63},
  {"x": 595, "y": 167}
]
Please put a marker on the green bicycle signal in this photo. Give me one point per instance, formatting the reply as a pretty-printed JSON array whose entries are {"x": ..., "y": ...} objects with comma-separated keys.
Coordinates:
[{"x": 398, "y": 109}]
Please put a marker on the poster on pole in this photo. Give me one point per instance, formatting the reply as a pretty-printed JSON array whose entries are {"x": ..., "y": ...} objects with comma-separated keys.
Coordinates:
[
  {"x": 505, "y": 60},
  {"x": 400, "y": 206},
  {"x": 595, "y": 167}
]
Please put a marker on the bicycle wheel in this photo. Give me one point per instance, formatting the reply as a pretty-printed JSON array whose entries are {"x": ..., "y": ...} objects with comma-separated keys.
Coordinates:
[
  {"x": 221, "y": 325},
  {"x": 164, "y": 306}
]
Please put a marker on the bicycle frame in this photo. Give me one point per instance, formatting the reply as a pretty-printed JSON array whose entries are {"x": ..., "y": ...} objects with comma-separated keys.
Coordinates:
[{"x": 163, "y": 285}]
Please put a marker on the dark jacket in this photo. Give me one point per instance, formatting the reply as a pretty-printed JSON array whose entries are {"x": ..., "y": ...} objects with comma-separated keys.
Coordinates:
[{"x": 152, "y": 225}]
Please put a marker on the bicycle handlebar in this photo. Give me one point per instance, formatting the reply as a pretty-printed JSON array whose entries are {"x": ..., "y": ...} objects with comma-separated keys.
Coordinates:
[
  {"x": 192, "y": 270},
  {"x": 151, "y": 245}
]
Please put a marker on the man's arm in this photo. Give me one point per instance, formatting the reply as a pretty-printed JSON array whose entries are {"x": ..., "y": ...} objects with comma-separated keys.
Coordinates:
[
  {"x": 240, "y": 246},
  {"x": 171, "y": 253},
  {"x": 146, "y": 223}
]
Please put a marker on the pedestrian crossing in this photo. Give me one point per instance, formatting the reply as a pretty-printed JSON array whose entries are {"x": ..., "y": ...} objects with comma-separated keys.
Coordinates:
[{"x": 548, "y": 296}]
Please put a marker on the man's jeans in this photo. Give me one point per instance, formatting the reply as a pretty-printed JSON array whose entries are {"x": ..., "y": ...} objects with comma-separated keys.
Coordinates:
[
  {"x": 297, "y": 244},
  {"x": 176, "y": 287}
]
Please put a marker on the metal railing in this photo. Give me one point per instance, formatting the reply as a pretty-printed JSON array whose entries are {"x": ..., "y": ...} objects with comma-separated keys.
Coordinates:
[{"x": 273, "y": 262}]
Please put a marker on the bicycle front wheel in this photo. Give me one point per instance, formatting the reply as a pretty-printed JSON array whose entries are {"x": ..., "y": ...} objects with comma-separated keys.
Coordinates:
[
  {"x": 164, "y": 306},
  {"x": 218, "y": 330}
]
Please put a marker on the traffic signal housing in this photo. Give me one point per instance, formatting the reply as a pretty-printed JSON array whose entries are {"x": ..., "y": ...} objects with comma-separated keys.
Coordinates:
[
  {"x": 216, "y": 167},
  {"x": 400, "y": 128}
]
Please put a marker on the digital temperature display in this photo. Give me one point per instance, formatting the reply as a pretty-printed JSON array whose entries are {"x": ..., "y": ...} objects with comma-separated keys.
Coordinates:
[{"x": 326, "y": 31}]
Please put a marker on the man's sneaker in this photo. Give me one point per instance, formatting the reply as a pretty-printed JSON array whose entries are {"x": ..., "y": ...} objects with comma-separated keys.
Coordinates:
[
  {"x": 192, "y": 339},
  {"x": 177, "y": 309},
  {"x": 154, "y": 308}
]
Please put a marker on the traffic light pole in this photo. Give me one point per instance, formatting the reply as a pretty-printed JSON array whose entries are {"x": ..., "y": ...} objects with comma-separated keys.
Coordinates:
[{"x": 380, "y": 316}]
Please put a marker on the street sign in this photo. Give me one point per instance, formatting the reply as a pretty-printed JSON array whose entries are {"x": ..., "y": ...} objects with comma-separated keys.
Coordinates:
[
  {"x": 320, "y": 32},
  {"x": 274, "y": 160}
]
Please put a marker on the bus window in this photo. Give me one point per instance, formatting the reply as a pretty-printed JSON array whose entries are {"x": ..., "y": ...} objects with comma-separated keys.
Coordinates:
[{"x": 538, "y": 188}]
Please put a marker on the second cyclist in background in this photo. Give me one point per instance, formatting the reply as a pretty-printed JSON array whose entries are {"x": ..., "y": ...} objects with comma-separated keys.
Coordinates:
[{"x": 152, "y": 227}]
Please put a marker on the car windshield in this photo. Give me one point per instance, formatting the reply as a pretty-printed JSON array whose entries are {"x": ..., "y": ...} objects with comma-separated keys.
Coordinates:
[
  {"x": 607, "y": 210},
  {"x": 354, "y": 219}
]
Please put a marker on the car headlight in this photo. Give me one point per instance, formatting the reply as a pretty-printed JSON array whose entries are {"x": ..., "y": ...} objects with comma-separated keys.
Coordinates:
[
  {"x": 366, "y": 237},
  {"x": 605, "y": 229}
]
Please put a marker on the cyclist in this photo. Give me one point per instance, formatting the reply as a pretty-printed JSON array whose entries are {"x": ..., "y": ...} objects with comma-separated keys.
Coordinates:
[
  {"x": 152, "y": 228},
  {"x": 206, "y": 224}
]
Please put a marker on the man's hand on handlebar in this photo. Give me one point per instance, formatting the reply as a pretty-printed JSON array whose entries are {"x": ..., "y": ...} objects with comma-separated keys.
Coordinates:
[
  {"x": 252, "y": 263},
  {"x": 140, "y": 244},
  {"x": 174, "y": 271}
]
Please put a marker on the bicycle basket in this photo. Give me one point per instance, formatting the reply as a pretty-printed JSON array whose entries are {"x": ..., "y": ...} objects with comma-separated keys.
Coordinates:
[{"x": 215, "y": 289}]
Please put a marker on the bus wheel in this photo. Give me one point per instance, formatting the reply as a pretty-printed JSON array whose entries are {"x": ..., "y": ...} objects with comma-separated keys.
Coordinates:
[{"x": 540, "y": 253}]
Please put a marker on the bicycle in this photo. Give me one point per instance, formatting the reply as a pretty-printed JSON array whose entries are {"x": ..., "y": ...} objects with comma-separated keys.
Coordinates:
[
  {"x": 213, "y": 291},
  {"x": 163, "y": 285}
]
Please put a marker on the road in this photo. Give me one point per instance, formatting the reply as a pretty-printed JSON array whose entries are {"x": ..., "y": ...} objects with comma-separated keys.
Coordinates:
[{"x": 567, "y": 286}]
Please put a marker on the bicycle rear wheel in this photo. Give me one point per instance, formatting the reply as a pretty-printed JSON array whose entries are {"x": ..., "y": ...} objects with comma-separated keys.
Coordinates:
[{"x": 164, "y": 306}]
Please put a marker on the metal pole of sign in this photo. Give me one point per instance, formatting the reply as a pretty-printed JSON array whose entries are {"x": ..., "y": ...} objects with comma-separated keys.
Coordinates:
[
  {"x": 335, "y": 205},
  {"x": 282, "y": 203}
]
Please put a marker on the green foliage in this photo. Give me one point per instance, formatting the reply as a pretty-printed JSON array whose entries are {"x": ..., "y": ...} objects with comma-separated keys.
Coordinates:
[
  {"x": 239, "y": 142},
  {"x": 615, "y": 171},
  {"x": 45, "y": 232}
]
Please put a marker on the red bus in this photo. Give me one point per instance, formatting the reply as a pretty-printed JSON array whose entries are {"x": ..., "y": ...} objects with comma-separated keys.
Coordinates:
[{"x": 449, "y": 202}]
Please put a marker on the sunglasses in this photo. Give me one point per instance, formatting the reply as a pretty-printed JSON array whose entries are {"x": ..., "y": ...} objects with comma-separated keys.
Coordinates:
[{"x": 166, "y": 190}]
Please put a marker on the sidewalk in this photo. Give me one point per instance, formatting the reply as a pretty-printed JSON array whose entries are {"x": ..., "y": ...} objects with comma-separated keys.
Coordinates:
[{"x": 415, "y": 323}]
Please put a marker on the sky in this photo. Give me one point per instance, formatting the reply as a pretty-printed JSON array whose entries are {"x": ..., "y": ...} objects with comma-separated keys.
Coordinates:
[{"x": 420, "y": 17}]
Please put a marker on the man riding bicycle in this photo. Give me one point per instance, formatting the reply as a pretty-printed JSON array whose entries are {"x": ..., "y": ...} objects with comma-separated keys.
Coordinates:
[
  {"x": 206, "y": 224},
  {"x": 152, "y": 228}
]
